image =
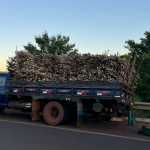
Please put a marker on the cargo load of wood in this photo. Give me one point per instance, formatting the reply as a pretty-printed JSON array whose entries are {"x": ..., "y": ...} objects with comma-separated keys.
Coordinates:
[{"x": 78, "y": 68}]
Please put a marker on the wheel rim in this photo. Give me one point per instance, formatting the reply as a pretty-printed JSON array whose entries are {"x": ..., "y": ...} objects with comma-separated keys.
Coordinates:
[{"x": 54, "y": 113}]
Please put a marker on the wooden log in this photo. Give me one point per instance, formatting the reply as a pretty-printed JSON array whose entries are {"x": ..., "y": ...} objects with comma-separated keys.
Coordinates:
[
  {"x": 132, "y": 69},
  {"x": 135, "y": 76},
  {"x": 86, "y": 67}
]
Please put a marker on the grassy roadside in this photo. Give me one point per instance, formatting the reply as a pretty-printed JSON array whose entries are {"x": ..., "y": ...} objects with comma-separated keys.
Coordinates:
[{"x": 139, "y": 113}]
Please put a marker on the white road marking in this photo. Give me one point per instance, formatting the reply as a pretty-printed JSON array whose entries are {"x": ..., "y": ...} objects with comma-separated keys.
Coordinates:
[{"x": 88, "y": 132}]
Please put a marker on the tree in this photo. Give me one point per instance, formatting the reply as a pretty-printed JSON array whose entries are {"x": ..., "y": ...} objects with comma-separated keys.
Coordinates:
[
  {"x": 143, "y": 50},
  {"x": 11, "y": 63},
  {"x": 56, "y": 45}
]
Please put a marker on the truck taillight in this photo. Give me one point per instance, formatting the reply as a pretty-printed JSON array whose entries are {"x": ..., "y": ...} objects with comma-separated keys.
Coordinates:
[
  {"x": 17, "y": 91},
  {"x": 104, "y": 94},
  {"x": 47, "y": 92},
  {"x": 83, "y": 93}
]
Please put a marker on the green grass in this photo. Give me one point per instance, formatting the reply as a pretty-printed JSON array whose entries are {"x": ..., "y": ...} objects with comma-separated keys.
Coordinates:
[
  {"x": 141, "y": 113},
  {"x": 138, "y": 113},
  {"x": 137, "y": 99}
]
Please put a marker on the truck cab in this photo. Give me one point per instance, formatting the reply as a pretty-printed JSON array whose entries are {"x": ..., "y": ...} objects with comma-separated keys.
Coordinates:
[{"x": 4, "y": 77}]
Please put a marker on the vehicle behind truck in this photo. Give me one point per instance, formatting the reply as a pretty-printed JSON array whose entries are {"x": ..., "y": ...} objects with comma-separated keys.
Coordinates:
[{"x": 57, "y": 101}]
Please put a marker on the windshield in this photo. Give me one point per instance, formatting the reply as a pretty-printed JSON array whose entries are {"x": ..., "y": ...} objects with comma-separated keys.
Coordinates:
[{"x": 2, "y": 80}]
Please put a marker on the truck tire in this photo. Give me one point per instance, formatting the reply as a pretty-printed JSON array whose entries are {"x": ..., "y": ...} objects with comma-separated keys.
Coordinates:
[
  {"x": 1, "y": 109},
  {"x": 53, "y": 113}
]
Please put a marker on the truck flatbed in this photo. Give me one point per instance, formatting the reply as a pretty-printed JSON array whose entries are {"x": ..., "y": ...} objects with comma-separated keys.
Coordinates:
[{"x": 71, "y": 91}]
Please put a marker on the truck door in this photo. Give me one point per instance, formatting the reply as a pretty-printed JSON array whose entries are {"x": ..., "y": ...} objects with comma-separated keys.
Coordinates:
[{"x": 3, "y": 80}]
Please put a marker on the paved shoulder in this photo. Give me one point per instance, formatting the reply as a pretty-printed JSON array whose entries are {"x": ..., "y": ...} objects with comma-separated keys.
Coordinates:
[{"x": 23, "y": 136}]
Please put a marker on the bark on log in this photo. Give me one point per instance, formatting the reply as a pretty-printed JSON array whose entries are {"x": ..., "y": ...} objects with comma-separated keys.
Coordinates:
[{"x": 79, "y": 68}]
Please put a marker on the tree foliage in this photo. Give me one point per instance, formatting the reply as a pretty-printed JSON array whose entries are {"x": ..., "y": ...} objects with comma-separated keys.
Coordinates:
[
  {"x": 126, "y": 56},
  {"x": 10, "y": 63},
  {"x": 56, "y": 45},
  {"x": 143, "y": 50}
]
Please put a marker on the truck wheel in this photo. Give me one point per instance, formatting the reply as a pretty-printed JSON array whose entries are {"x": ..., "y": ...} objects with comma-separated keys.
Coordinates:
[
  {"x": 53, "y": 113},
  {"x": 1, "y": 109}
]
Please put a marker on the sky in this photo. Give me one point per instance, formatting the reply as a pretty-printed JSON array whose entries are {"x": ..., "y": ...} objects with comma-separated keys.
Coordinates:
[{"x": 94, "y": 26}]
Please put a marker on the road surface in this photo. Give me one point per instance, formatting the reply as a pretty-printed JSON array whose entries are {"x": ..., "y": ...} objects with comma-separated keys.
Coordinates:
[{"x": 18, "y": 132}]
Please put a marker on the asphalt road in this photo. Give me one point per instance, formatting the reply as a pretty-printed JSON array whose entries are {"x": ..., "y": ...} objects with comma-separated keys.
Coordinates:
[{"x": 18, "y": 132}]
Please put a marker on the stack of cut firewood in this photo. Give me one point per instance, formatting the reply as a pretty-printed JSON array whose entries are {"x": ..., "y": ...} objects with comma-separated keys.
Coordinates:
[{"x": 78, "y": 68}]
